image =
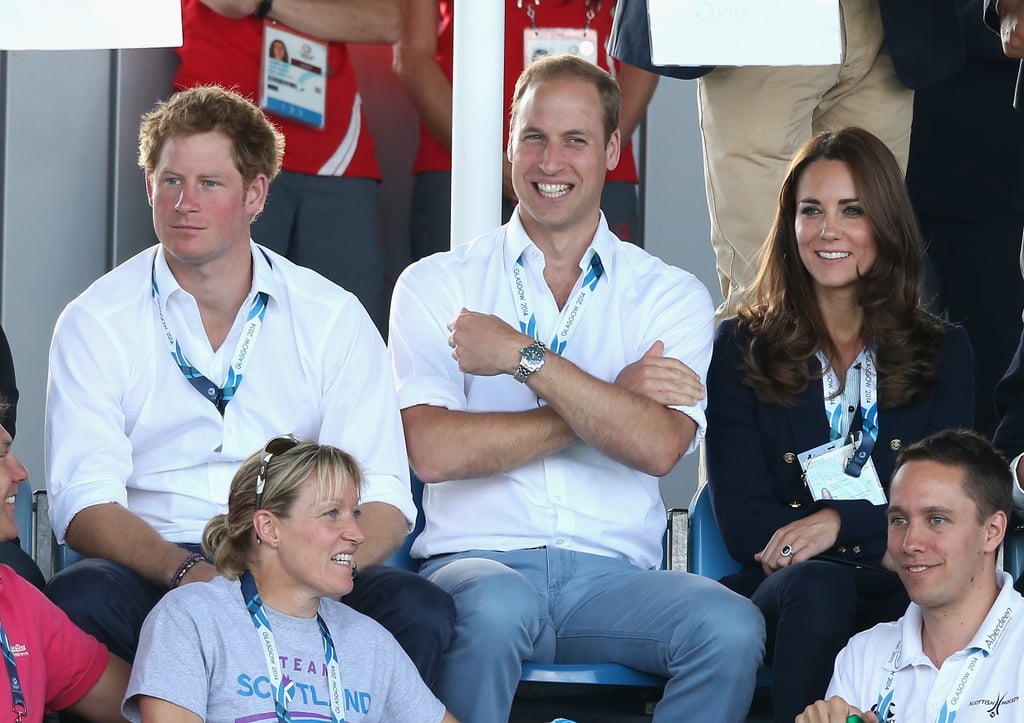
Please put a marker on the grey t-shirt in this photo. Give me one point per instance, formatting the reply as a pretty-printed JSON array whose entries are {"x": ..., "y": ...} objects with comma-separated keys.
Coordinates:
[{"x": 199, "y": 650}]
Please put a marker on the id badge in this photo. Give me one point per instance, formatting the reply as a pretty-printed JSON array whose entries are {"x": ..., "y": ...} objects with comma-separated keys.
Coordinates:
[
  {"x": 540, "y": 42},
  {"x": 293, "y": 75},
  {"x": 826, "y": 478}
]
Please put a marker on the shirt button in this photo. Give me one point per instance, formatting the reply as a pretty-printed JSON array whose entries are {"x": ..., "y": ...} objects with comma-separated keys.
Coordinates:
[
  {"x": 560, "y": 541},
  {"x": 558, "y": 498}
]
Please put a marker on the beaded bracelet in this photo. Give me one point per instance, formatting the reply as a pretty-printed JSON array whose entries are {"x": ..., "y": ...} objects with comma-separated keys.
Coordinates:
[{"x": 187, "y": 564}]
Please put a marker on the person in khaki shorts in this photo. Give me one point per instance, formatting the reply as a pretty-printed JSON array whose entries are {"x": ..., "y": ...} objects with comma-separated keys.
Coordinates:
[{"x": 754, "y": 118}]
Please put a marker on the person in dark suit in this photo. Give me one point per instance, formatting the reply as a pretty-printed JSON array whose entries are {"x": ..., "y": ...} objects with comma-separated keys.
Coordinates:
[
  {"x": 1006, "y": 17},
  {"x": 1009, "y": 435},
  {"x": 829, "y": 341},
  {"x": 966, "y": 181}
]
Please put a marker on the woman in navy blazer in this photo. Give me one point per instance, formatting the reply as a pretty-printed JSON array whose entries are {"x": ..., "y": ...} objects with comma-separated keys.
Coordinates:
[{"x": 840, "y": 282}]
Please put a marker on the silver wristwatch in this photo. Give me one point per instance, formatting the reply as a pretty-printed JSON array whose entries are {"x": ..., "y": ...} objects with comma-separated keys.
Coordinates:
[{"x": 531, "y": 359}]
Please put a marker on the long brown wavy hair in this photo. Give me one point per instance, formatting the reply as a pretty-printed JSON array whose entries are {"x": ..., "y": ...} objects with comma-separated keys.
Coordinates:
[{"x": 781, "y": 308}]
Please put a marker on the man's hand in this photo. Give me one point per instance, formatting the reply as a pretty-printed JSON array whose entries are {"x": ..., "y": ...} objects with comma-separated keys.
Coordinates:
[
  {"x": 833, "y": 710},
  {"x": 232, "y": 8},
  {"x": 662, "y": 379},
  {"x": 484, "y": 344},
  {"x": 1011, "y": 27},
  {"x": 802, "y": 540}
]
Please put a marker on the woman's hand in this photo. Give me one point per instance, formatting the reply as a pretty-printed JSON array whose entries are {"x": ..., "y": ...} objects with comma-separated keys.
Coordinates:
[{"x": 800, "y": 540}]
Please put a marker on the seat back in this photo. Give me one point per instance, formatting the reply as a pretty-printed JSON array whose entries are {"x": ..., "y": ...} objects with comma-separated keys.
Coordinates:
[
  {"x": 1013, "y": 551},
  {"x": 23, "y": 516},
  {"x": 706, "y": 552}
]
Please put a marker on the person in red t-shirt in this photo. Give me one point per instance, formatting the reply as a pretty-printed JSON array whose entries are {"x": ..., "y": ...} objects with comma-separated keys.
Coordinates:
[
  {"x": 322, "y": 209},
  {"x": 56, "y": 666},
  {"x": 423, "y": 63}
]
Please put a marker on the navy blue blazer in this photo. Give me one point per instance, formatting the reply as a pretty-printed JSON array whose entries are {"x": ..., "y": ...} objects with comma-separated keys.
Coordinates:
[
  {"x": 1009, "y": 397},
  {"x": 751, "y": 447},
  {"x": 923, "y": 38}
]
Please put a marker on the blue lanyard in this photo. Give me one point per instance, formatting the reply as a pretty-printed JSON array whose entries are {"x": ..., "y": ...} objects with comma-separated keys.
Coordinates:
[
  {"x": 948, "y": 712},
  {"x": 569, "y": 319},
  {"x": 283, "y": 687},
  {"x": 218, "y": 395},
  {"x": 18, "y": 706},
  {"x": 834, "y": 410}
]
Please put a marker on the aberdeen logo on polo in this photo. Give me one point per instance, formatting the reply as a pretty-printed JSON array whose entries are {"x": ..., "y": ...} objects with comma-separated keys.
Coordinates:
[{"x": 997, "y": 707}]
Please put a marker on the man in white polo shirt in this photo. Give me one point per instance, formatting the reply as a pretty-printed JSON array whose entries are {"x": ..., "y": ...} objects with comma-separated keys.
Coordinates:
[
  {"x": 544, "y": 375},
  {"x": 957, "y": 651}
]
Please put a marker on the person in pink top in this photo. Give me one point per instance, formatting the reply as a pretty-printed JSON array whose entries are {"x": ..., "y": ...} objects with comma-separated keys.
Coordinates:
[{"x": 49, "y": 664}]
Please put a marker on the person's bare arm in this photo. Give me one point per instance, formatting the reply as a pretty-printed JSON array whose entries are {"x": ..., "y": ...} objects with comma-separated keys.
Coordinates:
[
  {"x": 340, "y": 21},
  {"x": 626, "y": 426},
  {"x": 112, "y": 532},
  {"x": 414, "y": 59},
  {"x": 384, "y": 528},
  {"x": 103, "y": 701},
  {"x": 158, "y": 710},
  {"x": 447, "y": 445},
  {"x": 637, "y": 88}
]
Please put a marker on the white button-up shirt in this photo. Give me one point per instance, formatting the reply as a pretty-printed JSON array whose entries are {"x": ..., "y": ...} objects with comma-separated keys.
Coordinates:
[
  {"x": 577, "y": 498},
  {"x": 124, "y": 425}
]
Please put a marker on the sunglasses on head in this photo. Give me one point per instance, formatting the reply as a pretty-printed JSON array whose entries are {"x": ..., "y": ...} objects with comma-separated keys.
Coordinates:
[{"x": 278, "y": 445}]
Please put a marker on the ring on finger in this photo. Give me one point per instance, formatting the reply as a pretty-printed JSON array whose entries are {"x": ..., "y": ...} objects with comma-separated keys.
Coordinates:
[{"x": 787, "y": 551}]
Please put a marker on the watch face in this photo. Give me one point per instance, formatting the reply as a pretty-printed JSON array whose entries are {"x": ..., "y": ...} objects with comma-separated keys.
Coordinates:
[{"x": 533, "y": 357}]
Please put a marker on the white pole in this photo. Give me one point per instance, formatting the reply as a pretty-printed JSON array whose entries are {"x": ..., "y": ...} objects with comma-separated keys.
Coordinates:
[{"x": 477, "y": 117}]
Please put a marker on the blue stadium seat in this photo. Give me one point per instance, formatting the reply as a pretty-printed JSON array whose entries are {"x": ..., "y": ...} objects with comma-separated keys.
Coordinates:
[
  {"x": 1013, "y": 551},
  {"x": 23, "y": 515},
  {"x": 707, "y": 555}
]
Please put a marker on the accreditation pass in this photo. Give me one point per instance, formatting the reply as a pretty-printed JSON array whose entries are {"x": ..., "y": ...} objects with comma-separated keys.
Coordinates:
[{"x": 293, "y": 80}]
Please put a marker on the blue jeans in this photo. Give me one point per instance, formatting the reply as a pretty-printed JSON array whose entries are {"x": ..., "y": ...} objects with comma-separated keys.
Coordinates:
[{"x": 552, "y": 605}]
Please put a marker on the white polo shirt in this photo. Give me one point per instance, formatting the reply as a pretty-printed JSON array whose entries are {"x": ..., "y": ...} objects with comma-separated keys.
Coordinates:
[
  {"x": 994, "y": 690},
  {"x": 577, "y": 498},
  {"x": 124, "y": 425}
]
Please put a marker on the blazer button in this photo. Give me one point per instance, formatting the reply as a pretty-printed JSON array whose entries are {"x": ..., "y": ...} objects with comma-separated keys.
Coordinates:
[
  {"x": 789, "y": 458},
  {"x": 856, "y": 549},
  {"x": 896, "y": 445},
  {"x": 795, "y": 505}
]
